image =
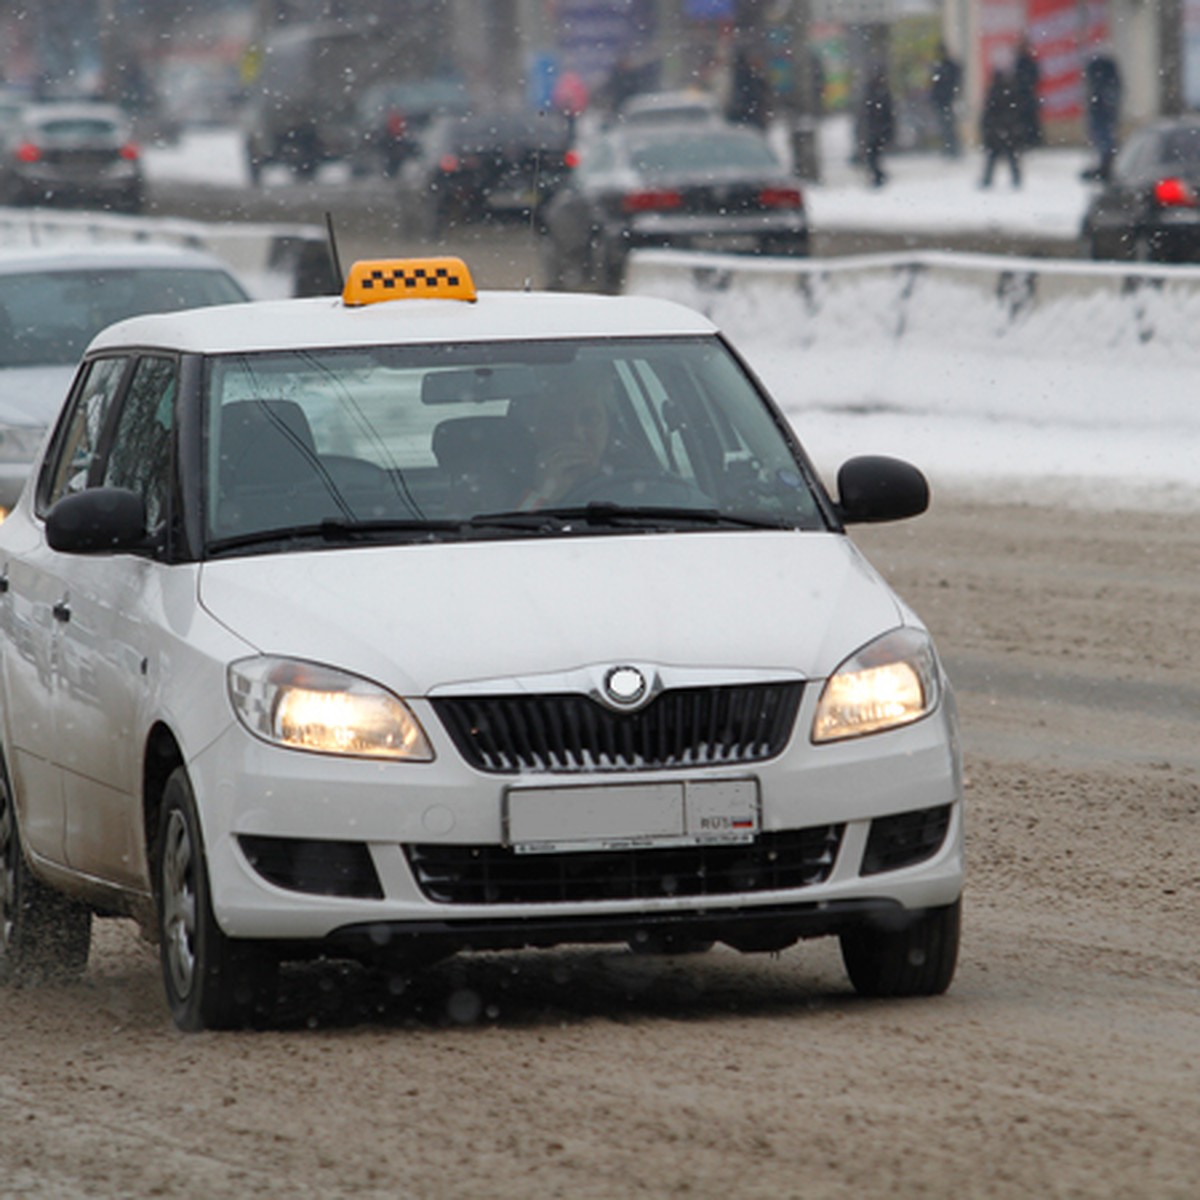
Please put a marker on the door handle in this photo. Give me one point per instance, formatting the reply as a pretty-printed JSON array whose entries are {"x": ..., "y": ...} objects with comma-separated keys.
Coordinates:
[{"x": 62, "y": 611}]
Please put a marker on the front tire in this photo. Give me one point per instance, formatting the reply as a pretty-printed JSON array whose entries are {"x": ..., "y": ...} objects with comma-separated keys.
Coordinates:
[
  {"x": 44, "y": 935},
  {"x": 916, "y": 958},
  {"x": 211, "y": 980}
]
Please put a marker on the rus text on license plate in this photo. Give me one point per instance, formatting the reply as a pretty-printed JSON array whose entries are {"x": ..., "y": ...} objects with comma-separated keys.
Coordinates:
[{"x": 624, "y": 816}]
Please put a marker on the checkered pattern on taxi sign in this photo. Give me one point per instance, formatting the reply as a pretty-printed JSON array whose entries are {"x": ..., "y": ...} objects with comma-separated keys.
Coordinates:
[{"x": 373, "y": 280}]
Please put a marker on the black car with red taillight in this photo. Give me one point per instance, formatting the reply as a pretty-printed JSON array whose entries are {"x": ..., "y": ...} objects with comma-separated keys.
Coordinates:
[
  {"x": 715, "y": 187},
  {"x": 1149, "y": 208},
  {"x": 487, "y": 164},
  {"x": 74, "y": 153}
]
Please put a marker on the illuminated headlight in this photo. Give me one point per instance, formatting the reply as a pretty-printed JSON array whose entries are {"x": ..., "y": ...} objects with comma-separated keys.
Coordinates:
[
  {"x": 889, "y": 682},
  {"x": 19, "y": 443},
  {"x": 309, "y": 707}
]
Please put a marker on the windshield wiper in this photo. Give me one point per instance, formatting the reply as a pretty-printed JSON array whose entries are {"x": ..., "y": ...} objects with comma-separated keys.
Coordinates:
[
  {"x": 607, "y": 514},
  {"x": 333, "y": 530},
  {"x": 598, "y": 514}
]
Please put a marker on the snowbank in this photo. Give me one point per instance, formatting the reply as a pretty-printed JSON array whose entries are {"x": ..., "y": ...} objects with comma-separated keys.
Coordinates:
[{"x": 985, "y": 368}]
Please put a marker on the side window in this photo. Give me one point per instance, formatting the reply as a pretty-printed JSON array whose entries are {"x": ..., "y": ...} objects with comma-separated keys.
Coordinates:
[
  {"x": 78, "y": 439},
  {"x": 140, "y": 458}
]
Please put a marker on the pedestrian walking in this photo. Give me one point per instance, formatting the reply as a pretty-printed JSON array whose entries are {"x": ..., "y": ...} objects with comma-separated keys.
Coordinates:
[
  {"x": 750, "y": 91},
  {"x": 1027, "y": 78},
  {"x": 1001, "y": 130},
  {"x": 945, "y": 82},
  {"x": 876, "y": 124},
  {"x": 1102, "y": 88}
]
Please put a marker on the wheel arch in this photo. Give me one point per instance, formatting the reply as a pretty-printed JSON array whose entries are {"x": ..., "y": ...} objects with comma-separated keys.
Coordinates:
[{"x": 163, "y": 755}]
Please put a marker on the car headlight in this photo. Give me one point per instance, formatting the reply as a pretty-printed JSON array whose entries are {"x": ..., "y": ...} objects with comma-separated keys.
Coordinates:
[
  {"x": 889, "y": 682},
  {"x": 309, "y": 707},
  {"x": 20, "y": 443}
]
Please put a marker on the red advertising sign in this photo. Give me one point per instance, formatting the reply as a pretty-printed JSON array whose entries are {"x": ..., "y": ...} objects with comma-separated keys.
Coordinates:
[{"x": 1060, "y": 31}]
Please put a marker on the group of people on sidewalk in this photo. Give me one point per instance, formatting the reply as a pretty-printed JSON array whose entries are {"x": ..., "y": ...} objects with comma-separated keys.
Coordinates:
[{"x": 1011, "y": 116}]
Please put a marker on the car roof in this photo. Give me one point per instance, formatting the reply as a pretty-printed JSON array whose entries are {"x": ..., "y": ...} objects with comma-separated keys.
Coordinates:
[
  {"x": 678, "y": 105},
  {"x": 95, "y": 256},
  {"x": 326, "y": 321}
]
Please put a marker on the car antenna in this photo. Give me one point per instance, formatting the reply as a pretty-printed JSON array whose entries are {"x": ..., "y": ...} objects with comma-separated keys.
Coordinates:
[
  {"x": 334, "y": 261},
  {"x": 533, "y": 207}
]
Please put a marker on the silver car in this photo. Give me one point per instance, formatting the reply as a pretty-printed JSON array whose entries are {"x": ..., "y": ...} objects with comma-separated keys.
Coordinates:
[
  {"x": 52, "y": 303},
  {"x": 78, "y": 153}
]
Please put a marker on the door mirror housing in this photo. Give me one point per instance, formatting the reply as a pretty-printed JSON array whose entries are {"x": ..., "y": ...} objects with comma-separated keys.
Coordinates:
[
  {"x": 874, "y": 488},
  {"x": 98, "y": 521}
]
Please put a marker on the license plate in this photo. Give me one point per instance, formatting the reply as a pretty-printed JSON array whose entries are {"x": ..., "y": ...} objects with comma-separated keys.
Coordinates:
[
  {"x": 728, "y": 244},
  {"x": 629, "y": 816}
]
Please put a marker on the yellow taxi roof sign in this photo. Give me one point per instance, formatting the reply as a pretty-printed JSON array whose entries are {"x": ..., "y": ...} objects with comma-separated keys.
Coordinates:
[{"x": 374, "y": 279}]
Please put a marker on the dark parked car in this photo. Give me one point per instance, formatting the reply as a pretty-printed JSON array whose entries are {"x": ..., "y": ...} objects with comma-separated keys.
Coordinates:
[
  {"x": 393, "y": 115},
  {"x": 300, "y": 110},
  {"x": 72, "y": 153},
  {"x": 709, "y": 187},
  {"x": 475, "y": 166},
  {"x": 1150, "y": 208}
]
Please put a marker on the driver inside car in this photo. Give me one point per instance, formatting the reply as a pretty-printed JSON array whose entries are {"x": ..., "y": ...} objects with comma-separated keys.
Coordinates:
[{"x": 570, "y": 437}]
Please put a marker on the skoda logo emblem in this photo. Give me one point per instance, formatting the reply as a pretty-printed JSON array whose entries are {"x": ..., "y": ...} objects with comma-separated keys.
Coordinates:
[{"x": 625, "y": 686}]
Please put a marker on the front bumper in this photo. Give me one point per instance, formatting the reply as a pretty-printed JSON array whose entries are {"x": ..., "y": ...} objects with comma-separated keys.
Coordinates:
[
  {"x": 12, "y": 480},
  {"x": 382, "y": 817},
  {"x": 48, "y": 184}
]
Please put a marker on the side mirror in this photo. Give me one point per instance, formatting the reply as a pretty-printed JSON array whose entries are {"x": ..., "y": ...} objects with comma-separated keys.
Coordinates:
[
  {"x": 876, "y": 488},
  {"x": 98, "y": 520}
]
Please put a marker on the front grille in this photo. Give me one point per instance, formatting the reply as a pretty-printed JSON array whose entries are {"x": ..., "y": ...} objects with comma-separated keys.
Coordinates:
[
  {"x": 797, "y": 858},
  {"x": 685, "y": 727},
  {"x": 906, "y": 838}
]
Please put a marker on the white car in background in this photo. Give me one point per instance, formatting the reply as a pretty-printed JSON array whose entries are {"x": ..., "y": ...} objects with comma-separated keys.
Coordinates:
[
  {"x": 419, "y": 620},
  {"x": 54, "y": 300}
]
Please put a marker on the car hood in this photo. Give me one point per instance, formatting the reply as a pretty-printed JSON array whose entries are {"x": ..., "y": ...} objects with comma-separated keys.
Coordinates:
[
  {"x": 420, "y": 618},
  {"x": 33, "y": 395}
]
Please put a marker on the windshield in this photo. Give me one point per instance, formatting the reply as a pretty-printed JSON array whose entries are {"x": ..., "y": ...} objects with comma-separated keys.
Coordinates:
[
  {"x": 78, "y": 128},
  {"x": 435, "y": 437},
  {"x": 47, "y": 318}
]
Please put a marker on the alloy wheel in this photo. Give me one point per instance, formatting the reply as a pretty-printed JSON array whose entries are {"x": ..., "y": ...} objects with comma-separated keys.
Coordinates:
[{"x": 179, "y": 904}]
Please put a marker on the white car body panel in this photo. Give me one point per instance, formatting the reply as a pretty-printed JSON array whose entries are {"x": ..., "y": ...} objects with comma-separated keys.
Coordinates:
[
  {"x": 326, "y": 321},
  {"x": 426, "y": 618}
]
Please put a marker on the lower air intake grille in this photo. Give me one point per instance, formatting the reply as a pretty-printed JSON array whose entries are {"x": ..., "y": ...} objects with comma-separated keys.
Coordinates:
[
  {"x": 796, "y": 858},
  {"x": 904, "y": 839},
  {"x": 684, "y": 727},
  {"x": 319, "y": 868}
]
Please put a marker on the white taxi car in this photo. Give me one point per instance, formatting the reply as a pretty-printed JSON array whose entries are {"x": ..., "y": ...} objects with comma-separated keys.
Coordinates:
[{"x": 415, "y": 620}]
